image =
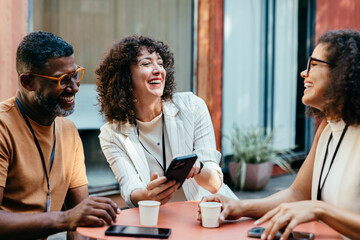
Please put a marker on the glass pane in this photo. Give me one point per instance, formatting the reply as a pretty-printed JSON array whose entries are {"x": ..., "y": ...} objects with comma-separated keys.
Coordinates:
[
  {"x": 243, "y": 66},
  {"x": 260, "y": 68}
]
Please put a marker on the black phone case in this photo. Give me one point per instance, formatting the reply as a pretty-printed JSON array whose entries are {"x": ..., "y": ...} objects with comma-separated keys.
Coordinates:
[
  {"x": 180, "y": 167},
  {"x": 257, "y": 231},
  {"x": 110, "y": 232}
]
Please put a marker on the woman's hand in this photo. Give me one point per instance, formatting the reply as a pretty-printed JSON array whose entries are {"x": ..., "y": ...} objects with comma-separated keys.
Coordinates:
[
  {"x": 288, "y": 215},
  {"x": 231, "y": 209},
  {"x": 160, "y": 190},
  {"x": 195, "y": 170}
]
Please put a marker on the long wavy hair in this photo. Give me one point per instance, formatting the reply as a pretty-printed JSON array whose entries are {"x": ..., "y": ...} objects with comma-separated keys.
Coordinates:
[
  {"x": 342, "y": 97},
  {"x": 114, "y": 80}
]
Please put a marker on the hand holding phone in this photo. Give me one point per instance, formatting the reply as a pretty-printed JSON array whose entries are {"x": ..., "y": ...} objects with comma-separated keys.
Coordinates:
[
  {"x": 257, "y": 231},
  {"x": 134, "y": 231},
  {"x": 180, "y": 167}
]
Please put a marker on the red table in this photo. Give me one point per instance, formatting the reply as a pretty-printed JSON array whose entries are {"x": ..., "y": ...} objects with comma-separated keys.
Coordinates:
[{"x": 181, "y": 218}]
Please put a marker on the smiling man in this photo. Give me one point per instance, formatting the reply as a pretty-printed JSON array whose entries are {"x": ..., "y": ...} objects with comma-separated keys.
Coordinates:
[{"x": 41, "y": 155}]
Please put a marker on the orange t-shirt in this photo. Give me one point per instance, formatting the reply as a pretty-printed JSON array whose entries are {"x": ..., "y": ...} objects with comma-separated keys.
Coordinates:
[{"x": 21, "y": 171}]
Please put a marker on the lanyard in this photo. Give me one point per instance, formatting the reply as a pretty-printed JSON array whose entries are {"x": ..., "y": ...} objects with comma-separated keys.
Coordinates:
[
  {"x": 163, "y": 145},
  {"x": 40, "y": 152},
  {"x": 320, "y": 186}
]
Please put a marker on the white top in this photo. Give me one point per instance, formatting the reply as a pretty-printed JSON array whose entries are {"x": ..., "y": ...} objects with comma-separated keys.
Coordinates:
[
  {"x": 332, "y": 184},
  {"x": 342, "y": 187},
  {"x": 150, "y": 135},
  {"x": 189, "y": 130}
]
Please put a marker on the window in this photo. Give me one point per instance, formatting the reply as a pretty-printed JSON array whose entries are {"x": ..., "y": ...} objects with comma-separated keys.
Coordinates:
[{"x": 264, "y": 53}]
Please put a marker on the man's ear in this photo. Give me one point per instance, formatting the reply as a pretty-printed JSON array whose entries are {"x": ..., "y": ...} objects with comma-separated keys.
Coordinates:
[{"x": 26, "y": 81}]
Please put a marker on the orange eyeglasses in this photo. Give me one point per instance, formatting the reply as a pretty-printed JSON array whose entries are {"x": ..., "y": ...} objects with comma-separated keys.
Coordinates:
[{"x": 65, "y": 79}]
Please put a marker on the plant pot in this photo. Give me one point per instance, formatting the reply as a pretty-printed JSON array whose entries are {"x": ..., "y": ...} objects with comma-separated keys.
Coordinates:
[{"x": 257, "y": 175}]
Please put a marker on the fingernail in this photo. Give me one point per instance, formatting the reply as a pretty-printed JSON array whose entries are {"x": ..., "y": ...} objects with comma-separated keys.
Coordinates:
[
  {"x": 263, "y": 236},
  {"x": 269, "y": 237},
  {"x": 257, "y": 222},
  {"x": 282, "y": 238},
  {"x": 222, "y": 218},
  {"x": 118, "y": 211}
]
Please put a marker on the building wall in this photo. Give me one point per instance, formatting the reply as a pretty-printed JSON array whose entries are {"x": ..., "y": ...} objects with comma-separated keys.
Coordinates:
[
  {"x": 13, "y": 27},
  {"x": 337, "y": 14}
]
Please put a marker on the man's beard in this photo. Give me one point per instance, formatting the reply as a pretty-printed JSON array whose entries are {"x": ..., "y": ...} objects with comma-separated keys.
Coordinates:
[{"x": 52, "y": 106}]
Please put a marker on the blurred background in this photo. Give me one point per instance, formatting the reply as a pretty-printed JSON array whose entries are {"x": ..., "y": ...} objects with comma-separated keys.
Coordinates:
[{"x": 243, "y": 57}]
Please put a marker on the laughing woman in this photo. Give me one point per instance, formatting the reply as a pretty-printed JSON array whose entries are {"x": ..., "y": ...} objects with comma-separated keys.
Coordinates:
[
  {"x": 148, "y": 125},
  {"x": 327, "y": 187}
]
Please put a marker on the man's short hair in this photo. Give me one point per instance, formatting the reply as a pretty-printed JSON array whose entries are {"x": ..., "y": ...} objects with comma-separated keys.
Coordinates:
[{"x": 37, "y": 48}]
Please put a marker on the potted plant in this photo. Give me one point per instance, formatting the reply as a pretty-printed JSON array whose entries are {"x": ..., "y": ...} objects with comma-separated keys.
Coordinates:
[{"x": 253, "y": 158}]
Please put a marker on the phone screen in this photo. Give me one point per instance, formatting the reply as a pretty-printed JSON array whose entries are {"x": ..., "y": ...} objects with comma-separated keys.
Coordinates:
[
  {"x": 257, "y": 231},
  {"x": 134, "y": 231}
]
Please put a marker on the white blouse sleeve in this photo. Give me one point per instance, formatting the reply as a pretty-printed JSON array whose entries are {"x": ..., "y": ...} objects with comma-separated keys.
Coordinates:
[
  {"x": 120, "y": 163},
  {"x": 204, "y": 137}
]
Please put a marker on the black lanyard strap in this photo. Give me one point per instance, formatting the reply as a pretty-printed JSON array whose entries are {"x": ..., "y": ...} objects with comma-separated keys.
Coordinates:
[
  {"x": 38, "y": 145},
  {"x": 163, "y": 145},
  {"x": 320, "y": 186}
]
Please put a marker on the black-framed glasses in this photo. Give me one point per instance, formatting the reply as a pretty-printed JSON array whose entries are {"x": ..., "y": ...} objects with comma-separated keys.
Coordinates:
[
  {"x": 308, "y": 66},
  {"x": 65, "y": 79}
]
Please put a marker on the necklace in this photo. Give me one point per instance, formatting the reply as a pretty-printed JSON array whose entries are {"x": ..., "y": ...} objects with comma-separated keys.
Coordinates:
[
  {"x": 47, "y": 175},
  {"x": 158, "y": 143},
  {"x": 321, "y": 186}
]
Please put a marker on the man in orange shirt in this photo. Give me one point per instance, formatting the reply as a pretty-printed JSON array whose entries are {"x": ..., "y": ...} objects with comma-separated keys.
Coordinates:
[{"x": 41, "y": 155}]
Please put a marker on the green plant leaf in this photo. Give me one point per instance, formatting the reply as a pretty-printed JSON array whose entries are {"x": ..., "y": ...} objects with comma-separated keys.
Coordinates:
[{"x": 255, "y": 145}]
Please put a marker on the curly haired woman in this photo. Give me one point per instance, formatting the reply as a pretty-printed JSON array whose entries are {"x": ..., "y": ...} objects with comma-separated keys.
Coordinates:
[
  {"x": 327, "y": 187},
  {"x": 148, "y": 125}
]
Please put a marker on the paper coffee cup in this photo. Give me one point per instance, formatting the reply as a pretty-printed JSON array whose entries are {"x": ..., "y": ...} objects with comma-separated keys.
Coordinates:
[
  {"x": 210, "y": 212},
  {"x": 149, "y": 212}
]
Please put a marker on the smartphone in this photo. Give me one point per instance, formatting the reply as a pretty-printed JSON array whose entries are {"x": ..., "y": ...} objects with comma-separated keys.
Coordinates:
[
  {"x": 257, "y": 231},
  {"x": 135, "y": 231},
  {"x": 180, "y": 167}
]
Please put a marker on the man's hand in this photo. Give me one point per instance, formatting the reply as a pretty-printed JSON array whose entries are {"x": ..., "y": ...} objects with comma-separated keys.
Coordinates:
[
  {"x": 93, "y": 211},
  {"x": 231, "y": 209}
]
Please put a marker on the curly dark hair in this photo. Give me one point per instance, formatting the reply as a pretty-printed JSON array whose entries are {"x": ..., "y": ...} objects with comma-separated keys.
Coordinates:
[
  {"x": 37, "y": 47},
  {"x": 114, "y": 80},
  {"x": 342, "y": 97}
]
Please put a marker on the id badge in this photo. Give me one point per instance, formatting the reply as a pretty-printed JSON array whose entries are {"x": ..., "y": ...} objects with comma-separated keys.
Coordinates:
[{"x": 48, "y": 202}]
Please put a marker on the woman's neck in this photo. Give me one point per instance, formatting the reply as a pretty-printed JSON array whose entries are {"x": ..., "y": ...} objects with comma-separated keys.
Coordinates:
[{"x": 146, "y": 112}]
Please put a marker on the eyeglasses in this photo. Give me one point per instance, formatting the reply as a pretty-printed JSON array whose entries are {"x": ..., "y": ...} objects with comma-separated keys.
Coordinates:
[
  {"x": 317, "y": 60},
  {"x": 65, "y": 79}
]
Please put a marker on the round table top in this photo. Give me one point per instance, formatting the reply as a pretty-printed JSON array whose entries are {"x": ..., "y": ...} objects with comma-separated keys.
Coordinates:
[{"x": 181, "y": 217}]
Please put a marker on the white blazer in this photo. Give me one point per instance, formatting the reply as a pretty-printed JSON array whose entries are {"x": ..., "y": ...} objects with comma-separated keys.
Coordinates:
[{"x": 189, "y": 128}]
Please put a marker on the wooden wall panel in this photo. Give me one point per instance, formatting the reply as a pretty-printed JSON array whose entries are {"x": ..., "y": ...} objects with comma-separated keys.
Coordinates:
[
  {"x": 92, "y": 26},
  {"x": 210, "y": 57},
  {"x": 13, "y": 27}
]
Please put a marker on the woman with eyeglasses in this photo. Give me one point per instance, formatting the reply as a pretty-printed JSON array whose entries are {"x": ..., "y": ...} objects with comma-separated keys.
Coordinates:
[
  {"x": 327, "y": 187},
  {"x": 148, "y": 125}
]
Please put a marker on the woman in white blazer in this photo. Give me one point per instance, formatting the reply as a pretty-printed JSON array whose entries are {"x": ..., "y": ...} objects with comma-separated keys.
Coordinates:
[
  {"x": 327, "y": 187},
  {"x": 148, "y": 125}
]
